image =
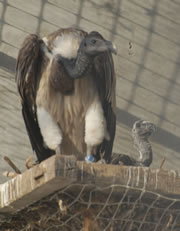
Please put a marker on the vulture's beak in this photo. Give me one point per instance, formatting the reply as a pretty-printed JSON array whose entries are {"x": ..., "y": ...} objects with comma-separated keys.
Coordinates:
[
  {"x": 150, "y": 126},
  {"x": 111, "y": 47}
]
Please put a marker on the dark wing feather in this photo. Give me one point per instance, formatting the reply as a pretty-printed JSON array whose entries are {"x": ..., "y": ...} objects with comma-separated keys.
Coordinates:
[
  {"x": 106, "y": 82},
  {"x": 27, "y": 74}
]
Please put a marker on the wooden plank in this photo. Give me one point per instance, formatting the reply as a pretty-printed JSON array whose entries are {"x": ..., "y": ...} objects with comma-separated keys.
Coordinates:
[
  {"x": 165, "y": 182},
  {"x": 58, "y": 172},
  {"x": 36, "y": 183}
]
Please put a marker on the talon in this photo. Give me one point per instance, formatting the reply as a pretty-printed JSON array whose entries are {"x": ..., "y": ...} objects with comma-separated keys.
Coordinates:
[{"x": 90, "y": 159}]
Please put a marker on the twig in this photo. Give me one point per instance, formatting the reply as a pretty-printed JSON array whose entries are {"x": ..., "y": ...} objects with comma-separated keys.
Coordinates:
[
  {"x": 12, "y": 165},
  {"x": 29, "y": 163},
  {"x": 162, "y": 162},
  {"x": 170, "y": 220},
  {"x": 62, "y": 207}
]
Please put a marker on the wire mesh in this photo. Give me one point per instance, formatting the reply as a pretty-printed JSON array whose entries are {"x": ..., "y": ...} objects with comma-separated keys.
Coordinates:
[{"x": 90, "y": 207}]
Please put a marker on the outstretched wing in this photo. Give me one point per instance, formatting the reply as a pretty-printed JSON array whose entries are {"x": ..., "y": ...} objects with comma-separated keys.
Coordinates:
[
  {"x": 28, "y": 66},
  {"x": 106, "y": 82}
]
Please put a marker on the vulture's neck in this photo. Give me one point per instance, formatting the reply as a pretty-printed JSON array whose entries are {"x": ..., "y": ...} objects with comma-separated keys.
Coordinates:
[
  {"x": 144, "y": 147},
  {"x": 78, "y": 67}
]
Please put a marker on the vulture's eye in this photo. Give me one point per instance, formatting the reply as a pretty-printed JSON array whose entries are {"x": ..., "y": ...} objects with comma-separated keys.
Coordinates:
[{"x": 93, "y": 41}]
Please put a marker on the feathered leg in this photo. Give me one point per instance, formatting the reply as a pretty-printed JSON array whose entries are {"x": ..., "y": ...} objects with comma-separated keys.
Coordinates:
[
  {"x": 95, "y": 129},
  {"x": 50, "y": 131}
]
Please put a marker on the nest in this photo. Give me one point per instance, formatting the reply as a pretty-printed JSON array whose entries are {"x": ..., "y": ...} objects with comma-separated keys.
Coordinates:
[{"x": 88, "y": 205}]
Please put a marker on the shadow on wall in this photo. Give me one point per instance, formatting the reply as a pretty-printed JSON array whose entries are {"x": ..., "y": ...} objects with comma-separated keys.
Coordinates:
[{"x": 7, "y": 62}]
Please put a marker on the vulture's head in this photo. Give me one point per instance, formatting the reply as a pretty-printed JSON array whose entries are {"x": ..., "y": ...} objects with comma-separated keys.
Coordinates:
[
  {"x": 142, "y": 129},
  {"x": 94, "y": 44},
  {"x": 91, "y": 46}
]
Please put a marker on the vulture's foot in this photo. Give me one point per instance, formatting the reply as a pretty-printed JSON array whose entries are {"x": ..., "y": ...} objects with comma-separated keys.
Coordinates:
[
  {"x": 90, "y": 158},
  {"x": 29, "y": 163}
]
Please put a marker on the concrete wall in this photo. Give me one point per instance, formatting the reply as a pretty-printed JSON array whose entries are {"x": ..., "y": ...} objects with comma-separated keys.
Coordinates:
[{"x": 147, "y": 35}]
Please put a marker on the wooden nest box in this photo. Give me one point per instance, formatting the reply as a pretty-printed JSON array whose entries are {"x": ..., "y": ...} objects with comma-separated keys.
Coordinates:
[{"x": 64, "y": 194}]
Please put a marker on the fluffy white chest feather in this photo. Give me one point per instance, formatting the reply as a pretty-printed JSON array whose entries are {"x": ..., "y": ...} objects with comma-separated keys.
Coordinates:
[{"x": 73, "y": 124}]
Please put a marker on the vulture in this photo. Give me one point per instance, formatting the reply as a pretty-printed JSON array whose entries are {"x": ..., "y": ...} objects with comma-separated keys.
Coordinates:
[
  {"x": 141, "y": 132},
  {"x": 66, "y": 83}
]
